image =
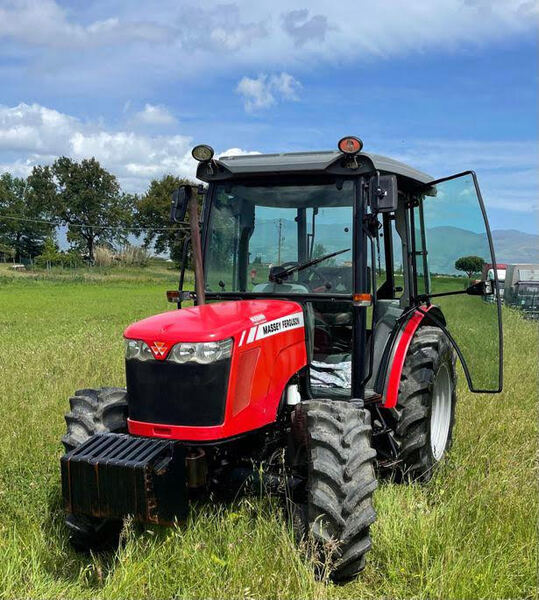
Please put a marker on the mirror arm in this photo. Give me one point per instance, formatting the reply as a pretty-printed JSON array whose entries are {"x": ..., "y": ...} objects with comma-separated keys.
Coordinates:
[
  {"x": 185, "y": 250},
  {"x": 425, "y": 297},
  {"x": 480, "y": 288},
  {"x": 196, "y": 246}
]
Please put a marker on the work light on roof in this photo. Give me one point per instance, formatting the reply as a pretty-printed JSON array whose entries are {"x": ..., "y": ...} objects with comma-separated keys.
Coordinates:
[
  {"x": 350, "y": 145},
  {"x": 202, "y": 153}
]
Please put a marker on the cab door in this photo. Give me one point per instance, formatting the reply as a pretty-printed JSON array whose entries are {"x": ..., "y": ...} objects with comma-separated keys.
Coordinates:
[{"x": 452, "y": 250}]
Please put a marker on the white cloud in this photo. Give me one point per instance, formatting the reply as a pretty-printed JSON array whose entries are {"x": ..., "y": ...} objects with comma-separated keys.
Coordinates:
[
  {"x": 237, "y": 152},
  {"x": 303, "y": 28},
  {"x": 155, "y": 115},
  {"x": 184, "y": 40},
  {"x": 33, "y": 134},
  {"x": 45, "y": 23},
  {"x": 256, "y": 93},
  {"x": 34, "y": 128},
  {"x": 265, "y": 90},
  {"x": 286, "y": 85},
  {"x": 218, "y": 27}
]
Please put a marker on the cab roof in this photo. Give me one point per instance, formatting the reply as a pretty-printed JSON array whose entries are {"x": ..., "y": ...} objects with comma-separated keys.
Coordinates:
[{"x": 332, "y": 162}]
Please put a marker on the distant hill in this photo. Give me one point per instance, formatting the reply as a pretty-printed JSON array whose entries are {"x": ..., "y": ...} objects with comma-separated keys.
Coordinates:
[
  {"x": 445, "y": 244},
  {"x": 512, "y": 246}
]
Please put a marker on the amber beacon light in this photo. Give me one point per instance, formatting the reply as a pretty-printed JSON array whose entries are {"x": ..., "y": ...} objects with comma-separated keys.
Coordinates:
[{"x": 350, "y": 145}]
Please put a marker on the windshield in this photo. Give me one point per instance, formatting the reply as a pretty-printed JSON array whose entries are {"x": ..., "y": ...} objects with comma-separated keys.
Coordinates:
[{"x": 256, "y": 231}]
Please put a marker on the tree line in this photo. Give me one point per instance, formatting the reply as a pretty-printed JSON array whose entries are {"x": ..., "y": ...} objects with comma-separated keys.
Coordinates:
[{"x": 88, "y": 201}]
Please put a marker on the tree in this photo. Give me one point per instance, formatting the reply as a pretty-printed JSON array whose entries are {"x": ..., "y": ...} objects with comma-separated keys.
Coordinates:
[
  {"x": 24, "y": 235},
  {"x": 6, "y": 252},
  {"x": 50, "y": 255},
  {"x": 319, "y": 250},
  {"x": 469, "y": 264},
  {"x": 153, "y": 213},
  {"x": 87, "y": 199}
]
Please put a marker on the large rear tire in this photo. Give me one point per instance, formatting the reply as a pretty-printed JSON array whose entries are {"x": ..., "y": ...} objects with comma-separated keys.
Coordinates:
[
  {"x": 94, "y": 411},
  {"x": 335, "y": 507},
  {"x": 422, "y": 421}
]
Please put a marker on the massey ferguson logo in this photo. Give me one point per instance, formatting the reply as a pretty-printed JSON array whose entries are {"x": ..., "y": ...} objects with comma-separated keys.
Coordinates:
[
  {"x": 270, "y": 328},
  {"x": 277, "y": 326},
  {"x": 159, "y": 349}
]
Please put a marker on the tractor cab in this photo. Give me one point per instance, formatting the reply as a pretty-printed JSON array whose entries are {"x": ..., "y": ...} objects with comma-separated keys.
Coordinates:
[
  {"x": 358, "y": 240},
  {"x": 318, "y": 355}
]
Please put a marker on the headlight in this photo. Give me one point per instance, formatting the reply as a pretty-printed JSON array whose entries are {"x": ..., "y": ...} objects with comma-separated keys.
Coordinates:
[
  {"x": 202, "y": 352},
  {"x": 137, "y": 349}
]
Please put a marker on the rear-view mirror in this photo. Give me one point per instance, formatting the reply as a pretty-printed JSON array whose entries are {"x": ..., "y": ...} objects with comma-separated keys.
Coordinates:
[
  {"x": 179, "y": 202},
  {"x": 480, "y": 288},
  {"x": 384, "y": 193}
]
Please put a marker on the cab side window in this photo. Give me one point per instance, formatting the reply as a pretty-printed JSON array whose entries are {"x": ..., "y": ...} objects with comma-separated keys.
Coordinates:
[
  {"x": 390, "y": 266},
  {"x": 419, "y": 248}
]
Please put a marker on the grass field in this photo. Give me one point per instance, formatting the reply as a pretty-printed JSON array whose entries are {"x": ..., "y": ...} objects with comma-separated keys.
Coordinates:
[{"x": 470, "y": 533}]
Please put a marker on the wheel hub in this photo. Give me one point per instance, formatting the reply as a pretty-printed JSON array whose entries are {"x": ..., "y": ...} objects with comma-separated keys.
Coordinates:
[{"x": 440, "y": 417}]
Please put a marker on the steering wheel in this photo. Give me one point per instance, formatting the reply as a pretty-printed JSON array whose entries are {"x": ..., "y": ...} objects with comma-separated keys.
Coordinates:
[{"x": 324, "y": 283}]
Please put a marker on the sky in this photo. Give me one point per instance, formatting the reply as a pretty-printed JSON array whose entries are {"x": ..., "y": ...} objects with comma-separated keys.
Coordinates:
[{"x": 447, "y": 86}]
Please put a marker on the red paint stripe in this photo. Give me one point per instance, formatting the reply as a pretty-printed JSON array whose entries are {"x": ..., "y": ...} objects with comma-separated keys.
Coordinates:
[{"x": 403, "y": 344}]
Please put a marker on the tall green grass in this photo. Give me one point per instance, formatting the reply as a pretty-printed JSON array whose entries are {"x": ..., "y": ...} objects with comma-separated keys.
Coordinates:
[{"x": 470, "y": 533}]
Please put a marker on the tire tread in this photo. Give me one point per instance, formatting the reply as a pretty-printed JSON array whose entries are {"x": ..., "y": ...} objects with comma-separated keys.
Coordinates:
[{"x": 341, "y": 482}]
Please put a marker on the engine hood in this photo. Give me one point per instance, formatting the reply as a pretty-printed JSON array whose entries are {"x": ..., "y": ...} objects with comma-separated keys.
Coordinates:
[{"x": 209, "y": 322}]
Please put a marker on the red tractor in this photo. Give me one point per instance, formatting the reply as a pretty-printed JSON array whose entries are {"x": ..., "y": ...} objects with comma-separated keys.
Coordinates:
[{"x": 312, "y": 359}]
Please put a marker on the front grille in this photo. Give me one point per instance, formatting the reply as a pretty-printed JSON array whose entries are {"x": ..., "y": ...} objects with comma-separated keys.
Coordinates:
[{"x": 166, "y": 392}]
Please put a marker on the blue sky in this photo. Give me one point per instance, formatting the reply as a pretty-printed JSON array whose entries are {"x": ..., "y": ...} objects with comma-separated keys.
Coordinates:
[{"x": 446, "y": 85}]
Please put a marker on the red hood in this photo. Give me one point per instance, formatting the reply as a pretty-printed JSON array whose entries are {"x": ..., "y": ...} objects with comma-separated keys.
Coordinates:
[{"x": 209, "y": 322}]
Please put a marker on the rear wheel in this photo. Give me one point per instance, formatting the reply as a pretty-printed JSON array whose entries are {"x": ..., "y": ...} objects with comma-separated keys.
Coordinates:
[
  {"x": 94, "y": 411},
  {"x": 334, "y": 507},
  {"x": 422, "y": 422}
]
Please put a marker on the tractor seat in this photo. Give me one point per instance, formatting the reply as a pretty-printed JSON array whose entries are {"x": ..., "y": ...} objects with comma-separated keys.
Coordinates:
[{"x": 332, "y": 372}]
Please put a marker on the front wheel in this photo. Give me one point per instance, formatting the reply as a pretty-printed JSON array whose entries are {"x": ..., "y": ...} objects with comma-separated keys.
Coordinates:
[
  {"x": 422, "y": 422},
  {"x": 334, "y": 507},
  {"x": 94, "y": 411}
]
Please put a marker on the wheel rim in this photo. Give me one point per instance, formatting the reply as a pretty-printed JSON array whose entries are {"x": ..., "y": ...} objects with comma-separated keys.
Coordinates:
[{"x": 440, "y": 416}]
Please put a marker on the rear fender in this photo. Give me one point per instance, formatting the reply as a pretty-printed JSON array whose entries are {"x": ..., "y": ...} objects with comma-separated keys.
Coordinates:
[{"x": 388, "y": 380}]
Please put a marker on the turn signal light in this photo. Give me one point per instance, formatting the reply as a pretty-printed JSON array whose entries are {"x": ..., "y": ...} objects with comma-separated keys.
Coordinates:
[
  {"x": 183, "y": 296},
  {"x": 362, "y": 299},
  {"x": 350, "y": 145},
  {"x": 173, "y": 296}
]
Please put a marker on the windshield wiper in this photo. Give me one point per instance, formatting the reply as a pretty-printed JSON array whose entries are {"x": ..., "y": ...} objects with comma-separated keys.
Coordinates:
[{"x": 277, "y": 277}]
